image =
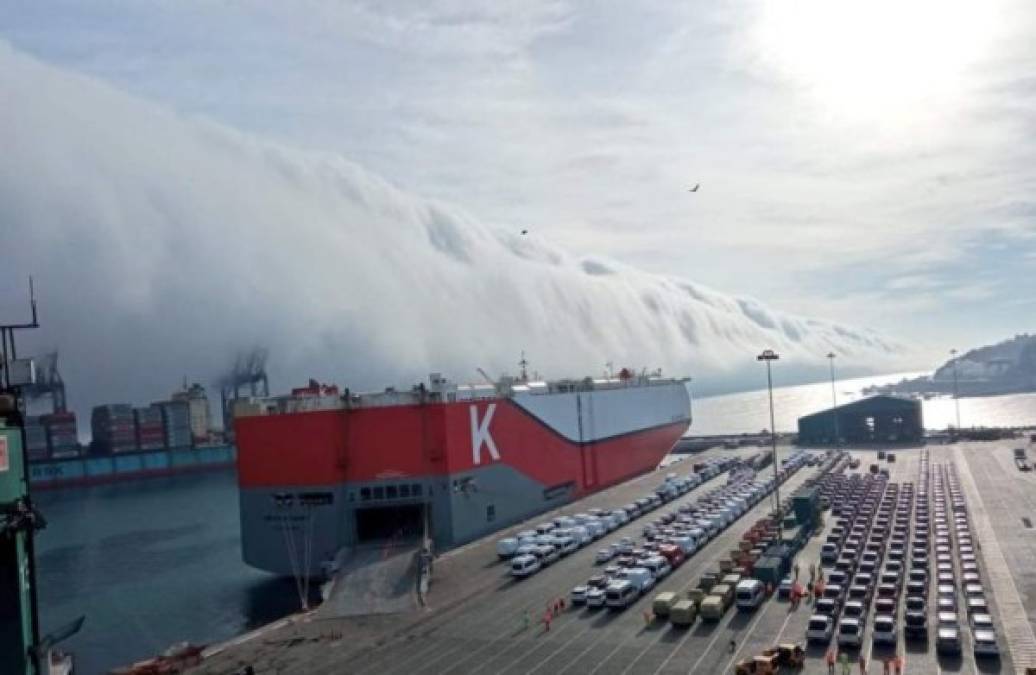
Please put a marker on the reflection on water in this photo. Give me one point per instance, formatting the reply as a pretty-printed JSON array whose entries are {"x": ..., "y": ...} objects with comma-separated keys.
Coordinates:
[
  {"x": 750, "y": 412},
  {"x": 151, "y": 563}
]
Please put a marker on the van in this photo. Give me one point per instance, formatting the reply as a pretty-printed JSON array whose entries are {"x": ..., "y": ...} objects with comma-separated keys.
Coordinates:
[
  {"x": 686, "y": 544},
  {"x": 641, "y": 578},
  {"x": 596, "y": 528},
  {"x": 658, "y": 566},
  {"x": 620, "y": 594},
  {"x": 683, "y": 612},
  {"x": 663, "y": 602},
  {"x": 566, "y": 545},
  {"x": 748, "y": 594},
  {"x": 581, "y": 535},
  {"x": 524, "y": 565},
  {"x": 506, "y": 547}
]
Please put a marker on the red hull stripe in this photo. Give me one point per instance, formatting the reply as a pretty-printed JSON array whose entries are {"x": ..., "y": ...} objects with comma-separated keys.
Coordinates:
[{"x": 332, "y": 447}]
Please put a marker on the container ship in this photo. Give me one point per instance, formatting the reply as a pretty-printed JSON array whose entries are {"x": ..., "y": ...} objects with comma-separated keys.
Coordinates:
[
  {"x": 325, "y": 471},
  {"x": 164, "y": 438}
]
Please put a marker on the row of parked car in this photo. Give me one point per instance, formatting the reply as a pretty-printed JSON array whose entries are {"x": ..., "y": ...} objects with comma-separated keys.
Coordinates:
[
  {"x": 870, "y": 564},
  {"x": 633, "y": 568},
  {"x": 872, "y": 533},
  {"x": 529, "y": 551},
  {"x": 953, "y": 535}
]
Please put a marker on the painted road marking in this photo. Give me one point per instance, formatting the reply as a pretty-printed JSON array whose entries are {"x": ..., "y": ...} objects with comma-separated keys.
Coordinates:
[{"x": 1013, "y": 617}]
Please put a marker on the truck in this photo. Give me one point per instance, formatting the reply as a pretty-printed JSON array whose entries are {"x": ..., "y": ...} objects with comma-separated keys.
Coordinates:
[
  {"x": 663, "y": 602},
  {"x": 683, "y": 613},
  {"x": 1022, "y": 464},
  {"x": 713, "y": 608}
]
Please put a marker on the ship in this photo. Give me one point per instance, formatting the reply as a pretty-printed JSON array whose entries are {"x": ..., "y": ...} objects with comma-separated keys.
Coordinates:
[
  {"x": 325, "y": 472},
  {"x": 165, "y": 438}
]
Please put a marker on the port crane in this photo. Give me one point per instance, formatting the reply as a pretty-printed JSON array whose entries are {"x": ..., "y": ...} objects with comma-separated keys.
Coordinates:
[{"x": 248, "y": 373}]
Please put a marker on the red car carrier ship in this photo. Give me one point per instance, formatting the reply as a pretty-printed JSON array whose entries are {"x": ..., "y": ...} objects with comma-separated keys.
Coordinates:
[{"x": 326, "y": 471}]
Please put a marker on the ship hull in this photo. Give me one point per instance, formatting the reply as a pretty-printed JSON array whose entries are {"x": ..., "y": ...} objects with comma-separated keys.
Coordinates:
[
  {"x": 55, "y": 474},
  {"x": 326, "y": 480}
]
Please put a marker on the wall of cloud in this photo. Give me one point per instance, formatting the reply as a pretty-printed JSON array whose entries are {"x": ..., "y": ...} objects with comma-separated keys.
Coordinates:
[{"x": 163, "y": 245}]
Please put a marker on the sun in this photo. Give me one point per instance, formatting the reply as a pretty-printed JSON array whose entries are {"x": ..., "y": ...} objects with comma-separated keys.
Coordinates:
[{"x": 878, "y": 57}]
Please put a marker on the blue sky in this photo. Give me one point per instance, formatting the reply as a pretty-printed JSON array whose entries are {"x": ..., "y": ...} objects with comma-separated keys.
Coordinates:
[{"x": 868, "y": 162}]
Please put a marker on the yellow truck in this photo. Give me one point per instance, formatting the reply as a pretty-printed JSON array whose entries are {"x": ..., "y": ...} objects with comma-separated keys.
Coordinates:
[
  {"x": 730, "y": 579},
  {"x": 683, "y": 613},
  {"x": 663, "y": 603},
  {"x": 716, "y": 604}
]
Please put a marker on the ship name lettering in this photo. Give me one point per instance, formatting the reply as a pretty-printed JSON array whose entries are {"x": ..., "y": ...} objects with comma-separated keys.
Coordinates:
[{"x": 480, "y": 434}]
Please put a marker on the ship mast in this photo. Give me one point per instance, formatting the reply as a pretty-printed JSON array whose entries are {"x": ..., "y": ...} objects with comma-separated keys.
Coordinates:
[{"x": 524, "y": 364}]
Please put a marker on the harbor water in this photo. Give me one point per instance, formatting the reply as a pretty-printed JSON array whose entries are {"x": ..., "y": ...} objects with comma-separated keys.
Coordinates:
[{"x": 157, "y": 561}]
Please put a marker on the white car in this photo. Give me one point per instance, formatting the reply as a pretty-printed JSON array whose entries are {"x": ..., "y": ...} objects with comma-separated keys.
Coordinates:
[
  {"x": 578, "y": 594},
  {"x": 595, "y": 597},
  {"x": 984, "y": 641},
  {"x": 604, "y": 555},
  {"x": 819, "y": 628},
  {"x": 524, "y": 565}
]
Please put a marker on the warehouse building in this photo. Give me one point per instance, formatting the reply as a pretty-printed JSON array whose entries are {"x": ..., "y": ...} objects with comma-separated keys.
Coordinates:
[{"x": 878, "y": 419}]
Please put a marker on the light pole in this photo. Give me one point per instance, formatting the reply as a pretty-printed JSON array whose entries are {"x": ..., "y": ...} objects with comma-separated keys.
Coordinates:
[
  {"x": 956, "y": 394},
  {"x": 767, "y": 356},
  {"x": 834, "y": 399}
]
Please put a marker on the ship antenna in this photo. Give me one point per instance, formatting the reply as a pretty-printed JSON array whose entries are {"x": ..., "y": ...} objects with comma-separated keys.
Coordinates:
[{"x": 524, "y": 363}]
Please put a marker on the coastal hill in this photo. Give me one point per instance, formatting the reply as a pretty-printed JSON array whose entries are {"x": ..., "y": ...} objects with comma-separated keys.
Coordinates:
[{"x": 1007, "y": 367}]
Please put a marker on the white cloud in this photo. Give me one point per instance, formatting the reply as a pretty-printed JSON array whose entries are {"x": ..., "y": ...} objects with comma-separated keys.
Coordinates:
[{"x": 163, "y": 244}]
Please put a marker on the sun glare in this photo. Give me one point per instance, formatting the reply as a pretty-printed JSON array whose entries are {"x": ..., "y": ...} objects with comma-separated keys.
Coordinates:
[{"x": 879, "y": 57}]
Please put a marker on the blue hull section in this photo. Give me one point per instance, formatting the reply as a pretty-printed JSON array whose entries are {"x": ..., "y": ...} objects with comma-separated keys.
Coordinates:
[{"x": 56, "y": 473}]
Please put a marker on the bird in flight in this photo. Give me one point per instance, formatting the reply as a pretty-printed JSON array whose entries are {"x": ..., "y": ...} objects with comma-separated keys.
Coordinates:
[
  {"x": 695, "y": 188},
  {"x": 524, "y": 232}
]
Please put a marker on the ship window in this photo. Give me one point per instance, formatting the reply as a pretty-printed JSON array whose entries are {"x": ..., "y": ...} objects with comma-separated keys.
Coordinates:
[
  {"x": 415, "y": 489},
  {"x": 391, "y": 492},
  {"x": 490, "y": 513},
  {"x": 404, "y": 490},
  {"x": 379, "y": 492},
  {"x": 365, "y": 494}
]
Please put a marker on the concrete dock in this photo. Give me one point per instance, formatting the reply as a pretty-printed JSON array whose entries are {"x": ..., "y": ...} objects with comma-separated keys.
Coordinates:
[{"x": 474, "y": 621}]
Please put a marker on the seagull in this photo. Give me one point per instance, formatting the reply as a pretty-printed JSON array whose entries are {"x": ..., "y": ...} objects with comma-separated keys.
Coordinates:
[
  {"x": 525, "y": 232},
  {"x": 695, "y": 188}
]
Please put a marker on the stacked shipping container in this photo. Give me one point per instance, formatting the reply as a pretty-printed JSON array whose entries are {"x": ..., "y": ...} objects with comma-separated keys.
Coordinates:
[
  {"x": 36, "y": 439},
  {"x": 150, "y": 425},
  {"x": 177, "y": 418},
  {"x": 113, "y": 428},
  {"x": 62, "y": 434}
]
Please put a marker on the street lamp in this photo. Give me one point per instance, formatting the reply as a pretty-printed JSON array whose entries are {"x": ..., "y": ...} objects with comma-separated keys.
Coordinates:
[
  {"x": 956, "y": 393},
  {"x": 834, "y": 399},
  {"x": 767, "y": 356}
]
